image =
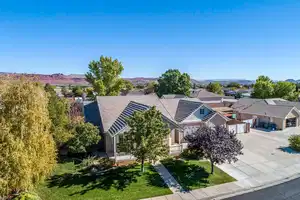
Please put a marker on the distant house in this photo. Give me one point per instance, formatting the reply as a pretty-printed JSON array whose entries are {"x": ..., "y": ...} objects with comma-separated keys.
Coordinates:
[
  {"x": 182, "y": 115},
  {"x": 173, "y": 96},
  {"x": 211, "y": 98},
  {"x": 268, "y": 113}
]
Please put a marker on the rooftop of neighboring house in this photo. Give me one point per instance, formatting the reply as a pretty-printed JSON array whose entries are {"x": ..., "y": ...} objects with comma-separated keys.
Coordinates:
[
  {"x": 173, "y": 96},
  {"x": 275, "y": 107},
  {"x": 115, "y": 109}
]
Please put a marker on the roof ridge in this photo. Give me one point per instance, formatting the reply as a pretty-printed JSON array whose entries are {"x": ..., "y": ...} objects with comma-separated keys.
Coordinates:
[{"x": 166, "y": 108}]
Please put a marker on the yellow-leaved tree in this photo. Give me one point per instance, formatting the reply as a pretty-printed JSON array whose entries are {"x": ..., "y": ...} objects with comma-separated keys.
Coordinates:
[{"x": 27, "y": 149}]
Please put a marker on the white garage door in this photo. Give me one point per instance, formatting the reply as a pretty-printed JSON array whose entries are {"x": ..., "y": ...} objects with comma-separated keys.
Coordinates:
[
  {"x": 232, "y": 128},
  {"x": 237, "y": 128}
]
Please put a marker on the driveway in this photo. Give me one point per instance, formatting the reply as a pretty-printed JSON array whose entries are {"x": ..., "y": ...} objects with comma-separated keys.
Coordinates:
[{"x": 264, "y": 161}]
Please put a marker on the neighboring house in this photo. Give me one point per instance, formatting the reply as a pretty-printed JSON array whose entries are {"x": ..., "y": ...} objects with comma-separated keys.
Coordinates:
[
  {"x": 173, "y": 96},
  {"x": 209, "y": 97},
  {"x": 268, "y": 113},
  {"x": 183, "y": 116}
]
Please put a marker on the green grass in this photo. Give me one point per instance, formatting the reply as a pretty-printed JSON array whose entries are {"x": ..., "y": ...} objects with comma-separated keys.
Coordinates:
[
  {"x": 194, "y": 174},
  {"x": 123, "y": 183}
]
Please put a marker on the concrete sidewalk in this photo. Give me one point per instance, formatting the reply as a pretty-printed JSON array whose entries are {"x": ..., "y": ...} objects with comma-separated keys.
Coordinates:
[
  {"x": 222, "y": 191},
  {"x": 173, "y": 185}
]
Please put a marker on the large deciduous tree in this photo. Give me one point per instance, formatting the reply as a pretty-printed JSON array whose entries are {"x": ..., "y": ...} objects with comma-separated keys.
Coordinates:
[
  {"x": 27, "y": 148},
  {"x": 285, "y": 90},
  {"x": 104, "y": 75},
  {"x": 59, "y": 115},
  {"x": 85, "y": 135},
  {"x": 127, "y": 87},
  {"x": 215, "y": 88},
  {"x": 146, "y": 137},
  {"x": 263, "y": 88},
  {"x": 217, "y": 144},
  {"x": 173, "y": 82}
]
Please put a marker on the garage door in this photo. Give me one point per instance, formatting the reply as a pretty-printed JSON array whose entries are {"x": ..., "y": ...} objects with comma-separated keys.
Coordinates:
[
  {"x": 291, "y": 122},
  {"x": 237, "y": 128}
]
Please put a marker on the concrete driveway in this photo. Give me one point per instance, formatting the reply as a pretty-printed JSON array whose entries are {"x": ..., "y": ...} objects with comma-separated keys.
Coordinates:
[{"x": 264, "y": 161}]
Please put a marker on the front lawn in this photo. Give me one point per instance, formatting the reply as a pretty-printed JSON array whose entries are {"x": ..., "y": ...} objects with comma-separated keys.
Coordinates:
[
  {"x": 123, "y": 183},
  {"x": 194, "y": 174}
]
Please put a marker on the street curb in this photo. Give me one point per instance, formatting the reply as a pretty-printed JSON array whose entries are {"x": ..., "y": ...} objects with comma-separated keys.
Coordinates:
[{"x": 253, "y": 189}]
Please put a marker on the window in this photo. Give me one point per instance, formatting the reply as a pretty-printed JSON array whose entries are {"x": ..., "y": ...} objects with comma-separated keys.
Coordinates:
[{"x": 201, "y": 111}]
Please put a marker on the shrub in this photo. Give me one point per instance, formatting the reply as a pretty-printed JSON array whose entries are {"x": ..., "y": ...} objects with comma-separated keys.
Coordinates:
[
  {"x": 191, "y": 154},
  {"x": 96, "y": 164},
  {"x": 27, "y": 196},
  {"x": 294, "y": 141}
]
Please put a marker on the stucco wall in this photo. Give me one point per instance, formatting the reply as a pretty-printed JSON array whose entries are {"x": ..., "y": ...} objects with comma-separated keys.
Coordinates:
[
  {"x": 109, "y": 145},
  {"x": 280, "y": 123}
]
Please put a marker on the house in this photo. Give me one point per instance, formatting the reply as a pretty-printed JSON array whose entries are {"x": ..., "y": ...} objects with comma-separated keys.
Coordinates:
[
  {"x": 183, "y": 116},
  {"x": 173, "y": 96},
  {"x": 268, "y": 113},
  {"x": 211, "y": 98}
]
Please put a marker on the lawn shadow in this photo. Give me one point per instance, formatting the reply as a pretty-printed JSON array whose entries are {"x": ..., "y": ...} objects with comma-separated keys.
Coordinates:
[
  {"x": 153, "y": 178},
  {"x": 187, "y": 174},
  {"x": 118, "y": 178},
  {"x": 288, "y": 150}
]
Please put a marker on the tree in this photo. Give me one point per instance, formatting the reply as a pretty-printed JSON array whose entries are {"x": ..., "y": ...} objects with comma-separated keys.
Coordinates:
[
  {"x": 77, "y": 91},
  {"x": 151, "y": 87},
  {"x": 104, "y": 75},
  {"x": 217, "y": 144},
  {"x": 297, "y": 87},
  {"x": 146, "y": 138},
  {"x": 140, "y": 86},
  {"x": 127, "y": 86},
  {"x": 64, "y": 91},
  {"x": 215, "y": 88},
  {"x": 58, "y": 109},
  {"x": 27, "y": 149},
  {"x": 85, "y": 135},
  {"x": 173, "y": 82},
  {"x": 234, "y": 85},
  {"x": 285, "y": 90},
  {"x": 263, "y": 88}
]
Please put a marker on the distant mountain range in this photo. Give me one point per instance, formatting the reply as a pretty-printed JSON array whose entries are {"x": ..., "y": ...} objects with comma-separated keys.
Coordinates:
[
  {"x": 79, "y": 79},
  {"x": 293, "y": 81}
]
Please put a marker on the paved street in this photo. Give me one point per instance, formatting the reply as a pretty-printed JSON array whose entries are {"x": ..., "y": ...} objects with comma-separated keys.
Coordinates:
[
  {"x": 285, "y": 191},
  {"x": 265, "y": 158}
]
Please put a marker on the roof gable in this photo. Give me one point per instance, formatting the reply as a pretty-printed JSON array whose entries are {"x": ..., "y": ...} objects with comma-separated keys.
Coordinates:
[{"x": 185, "y": 108}]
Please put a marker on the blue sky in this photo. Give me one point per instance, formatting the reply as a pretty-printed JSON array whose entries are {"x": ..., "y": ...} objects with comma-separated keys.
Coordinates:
[{"x": 205, "y": 38}]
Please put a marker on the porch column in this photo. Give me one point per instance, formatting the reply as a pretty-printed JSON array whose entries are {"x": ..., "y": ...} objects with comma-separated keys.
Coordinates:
[{"x": 115, "y": 148}]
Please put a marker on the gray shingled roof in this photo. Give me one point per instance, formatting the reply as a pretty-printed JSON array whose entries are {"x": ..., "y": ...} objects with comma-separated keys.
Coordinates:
[
  {"x": 174, "y": 107},
  {"x": 202, "y": 93},
  {"x": 265, "y": 107},
  {"x": 288, "y": 103},
  {"x": 111, "y": 107},
  {"x": 185, "y": 108},
  {"x": 268, "y": 110},
  {"x": 173, "y": 96},
  {"x": 246, "y": 102}
]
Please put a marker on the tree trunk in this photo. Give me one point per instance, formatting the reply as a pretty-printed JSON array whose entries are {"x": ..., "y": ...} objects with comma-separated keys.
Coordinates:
[
  {"x": 212, "y": 166},
  {"x": 142, "y": 166}
]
